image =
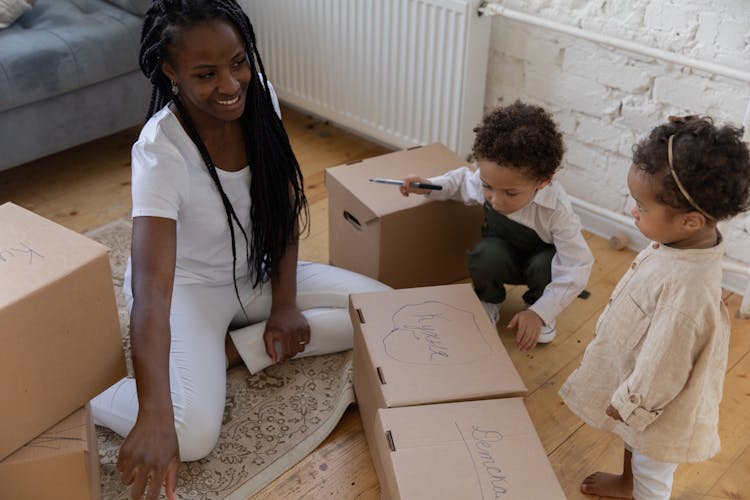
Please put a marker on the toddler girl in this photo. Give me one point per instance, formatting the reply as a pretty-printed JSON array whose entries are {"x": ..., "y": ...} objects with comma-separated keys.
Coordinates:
[{"x": 654, "y": 372}]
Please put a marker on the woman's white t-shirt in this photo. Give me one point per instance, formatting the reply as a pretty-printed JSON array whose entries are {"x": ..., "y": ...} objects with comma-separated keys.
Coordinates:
[{"x": 171, "y": 180}]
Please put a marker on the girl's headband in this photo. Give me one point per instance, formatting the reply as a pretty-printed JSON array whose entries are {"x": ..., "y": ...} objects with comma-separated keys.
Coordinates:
[{"x": 679, "y": 184}]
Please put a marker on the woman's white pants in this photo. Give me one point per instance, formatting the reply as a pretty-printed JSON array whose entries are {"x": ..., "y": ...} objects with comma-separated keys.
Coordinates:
[{"x": 200, "y": 318}]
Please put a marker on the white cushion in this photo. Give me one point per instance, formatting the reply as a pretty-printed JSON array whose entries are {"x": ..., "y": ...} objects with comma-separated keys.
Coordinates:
[{"x": 10, "y": 10}]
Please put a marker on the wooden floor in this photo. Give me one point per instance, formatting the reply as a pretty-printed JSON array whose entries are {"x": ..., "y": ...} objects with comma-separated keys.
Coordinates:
[{"x": 88, "y": 186}]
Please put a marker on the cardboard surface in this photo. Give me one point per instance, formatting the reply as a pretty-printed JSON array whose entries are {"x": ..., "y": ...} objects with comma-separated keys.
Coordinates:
[
  {"x": 424, "y": 346},
  {"x": 468, "y": 450},
  {"x": 59, "y": 328},
  {"x": 62, "y": 463},
  {"x": 402, "y": 241},
  {"x": 430, "y": 345}
]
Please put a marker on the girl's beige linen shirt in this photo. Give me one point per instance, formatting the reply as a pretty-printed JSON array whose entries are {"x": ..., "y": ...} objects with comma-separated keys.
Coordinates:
[{"x": 659, "y": 356}]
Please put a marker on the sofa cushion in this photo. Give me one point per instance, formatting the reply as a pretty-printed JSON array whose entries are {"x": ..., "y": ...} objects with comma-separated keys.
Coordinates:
[
  {"x": 10, "y": 10},
  {"x": 138, "y": 7},
  {"x": 61, "y": 45}
]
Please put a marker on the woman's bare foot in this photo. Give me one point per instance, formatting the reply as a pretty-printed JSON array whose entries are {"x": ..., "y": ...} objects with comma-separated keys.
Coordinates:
[
  {"x": 233, "y": 356},
  {"x": 608, "y": 485}
]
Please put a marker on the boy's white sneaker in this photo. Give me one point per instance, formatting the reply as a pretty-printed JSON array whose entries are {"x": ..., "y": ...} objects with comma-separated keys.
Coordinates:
[
  {"x": 493, "y": 311},
  {"x": 548, "y": 333}
]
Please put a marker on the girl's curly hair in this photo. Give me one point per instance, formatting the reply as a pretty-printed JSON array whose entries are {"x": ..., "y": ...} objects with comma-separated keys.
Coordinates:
[
  {"x": 711, "y": 163},
  {"x": 520, "y": 136}
]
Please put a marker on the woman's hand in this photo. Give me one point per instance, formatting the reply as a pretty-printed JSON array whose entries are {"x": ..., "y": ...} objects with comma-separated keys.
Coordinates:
[
  {"x": 529, "y": 326},
  {"x": 288, "y": 327},
  {"x": 150, "y": 454},
  {"x": 407, "y": 188}
]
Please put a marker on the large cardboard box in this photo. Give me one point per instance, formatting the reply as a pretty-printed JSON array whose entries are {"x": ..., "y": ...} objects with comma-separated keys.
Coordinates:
[
  {"x": 424, "y": 346},
  {"x": 62, "y": 463},
  {"x": 471, "y": 450},
  {"x": 402, "y": 241},
  {"x": 59, "y": 330}
]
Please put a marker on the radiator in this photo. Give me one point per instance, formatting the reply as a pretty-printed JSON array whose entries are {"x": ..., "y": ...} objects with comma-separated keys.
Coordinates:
[{"x": 401, "y": 72}]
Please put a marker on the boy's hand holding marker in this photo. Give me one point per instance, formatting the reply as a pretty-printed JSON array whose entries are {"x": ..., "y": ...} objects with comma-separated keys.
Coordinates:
[{"x": 411, "y": 184}]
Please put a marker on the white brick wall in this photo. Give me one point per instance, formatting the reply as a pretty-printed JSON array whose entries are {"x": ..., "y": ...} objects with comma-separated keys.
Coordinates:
[{"x": 606, "y": 99}]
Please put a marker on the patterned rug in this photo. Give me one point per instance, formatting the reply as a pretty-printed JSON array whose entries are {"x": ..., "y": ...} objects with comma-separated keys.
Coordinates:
[{"x": 271, "y": 421}]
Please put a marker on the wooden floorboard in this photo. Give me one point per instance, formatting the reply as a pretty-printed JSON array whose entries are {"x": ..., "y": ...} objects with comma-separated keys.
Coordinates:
[{"x": 89, "y": 185}]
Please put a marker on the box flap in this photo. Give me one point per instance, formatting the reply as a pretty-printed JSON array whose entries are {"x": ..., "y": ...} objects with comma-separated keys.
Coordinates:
[
  {"x": 71, "y": 435},
  {"x": 35, "y": 251},
  {"x": 382, "y": 199},
  {"x": 479, "y": 449},
  {"x": 433, "y": 345},
  {"x": 62, "y": 463}
]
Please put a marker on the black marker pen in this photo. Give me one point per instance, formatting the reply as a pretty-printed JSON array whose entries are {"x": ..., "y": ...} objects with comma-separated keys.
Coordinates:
[{"x": 396, "y": 182}]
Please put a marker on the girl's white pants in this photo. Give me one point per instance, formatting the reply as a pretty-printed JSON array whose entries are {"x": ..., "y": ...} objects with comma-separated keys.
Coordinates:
[
  {"x": 652, "y": 480},
  {"x": 201, "y": 316}
]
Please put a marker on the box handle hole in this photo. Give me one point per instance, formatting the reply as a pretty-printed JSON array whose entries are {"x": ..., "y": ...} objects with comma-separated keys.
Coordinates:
[
  {"x": 389, "y": 439},
  {"x": 352, "y": 220},
  {"x": 380, "y": 375}
]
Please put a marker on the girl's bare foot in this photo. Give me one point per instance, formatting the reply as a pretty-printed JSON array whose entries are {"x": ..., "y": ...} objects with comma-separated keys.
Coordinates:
[{"x": 608, "y": 485}]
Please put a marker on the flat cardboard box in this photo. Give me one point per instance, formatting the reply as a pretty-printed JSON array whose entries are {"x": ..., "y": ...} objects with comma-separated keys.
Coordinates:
[
  {"x": 468, "y": 450},
  {"x": 402, "y": 241},
  {"x": 62, "y": 463},
  {"x": 59, "y": 330},
  {"x": 423, "y": 346}
]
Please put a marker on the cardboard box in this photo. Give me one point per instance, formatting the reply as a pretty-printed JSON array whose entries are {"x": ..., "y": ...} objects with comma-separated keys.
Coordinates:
[
  {"x": 401, "y": 241},
  {"x": 424, "y": 346},
  {"x": 62, "y": 463},
  {"x": 59, "y": 330},
  {"x": 470, "y": 450}
]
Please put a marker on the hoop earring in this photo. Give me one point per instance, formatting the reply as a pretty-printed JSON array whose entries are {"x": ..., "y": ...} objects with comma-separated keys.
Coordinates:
[{"x": 175, "y": 88}]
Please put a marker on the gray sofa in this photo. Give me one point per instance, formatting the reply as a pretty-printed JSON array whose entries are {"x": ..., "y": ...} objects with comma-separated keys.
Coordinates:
[{"x": 69, "y": 74}]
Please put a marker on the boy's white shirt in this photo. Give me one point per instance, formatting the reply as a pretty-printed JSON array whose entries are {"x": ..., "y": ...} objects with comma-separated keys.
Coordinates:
[{"x": 550, "y": 215}]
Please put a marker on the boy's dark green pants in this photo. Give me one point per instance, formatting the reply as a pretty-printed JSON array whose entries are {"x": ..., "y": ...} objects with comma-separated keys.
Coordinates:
[{"x": 509, "y": 253}]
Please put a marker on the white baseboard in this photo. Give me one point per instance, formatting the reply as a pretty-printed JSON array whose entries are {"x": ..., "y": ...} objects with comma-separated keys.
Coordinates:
[{"x": 605, "y": 223}]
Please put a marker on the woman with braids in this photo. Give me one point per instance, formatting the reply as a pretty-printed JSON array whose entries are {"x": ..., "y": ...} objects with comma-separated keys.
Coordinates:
[{"x": 217, "y": 201}]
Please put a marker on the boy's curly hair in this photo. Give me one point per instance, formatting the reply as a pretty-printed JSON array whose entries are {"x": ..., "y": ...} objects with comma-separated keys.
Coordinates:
[
  {"x": 520, "y": 136},
  {"x": 711, "y": 163}
]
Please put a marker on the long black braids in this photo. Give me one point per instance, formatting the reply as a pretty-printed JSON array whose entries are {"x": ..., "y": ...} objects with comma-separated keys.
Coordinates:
[{"x": 276, "y": 187}]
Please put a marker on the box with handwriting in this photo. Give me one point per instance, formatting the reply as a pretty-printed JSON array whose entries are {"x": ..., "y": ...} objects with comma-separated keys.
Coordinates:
[
  {"x": 61, "y": 463},
  {"x": 59, "y": 330},
  {"x": 467, "y": 450},
  {"x": 422, "y": 346}
]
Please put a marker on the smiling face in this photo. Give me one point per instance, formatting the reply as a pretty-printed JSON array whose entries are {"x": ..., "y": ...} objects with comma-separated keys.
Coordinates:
[
  {"x": 507, "y": 189},
  {"x": 210, "y": 66}
]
